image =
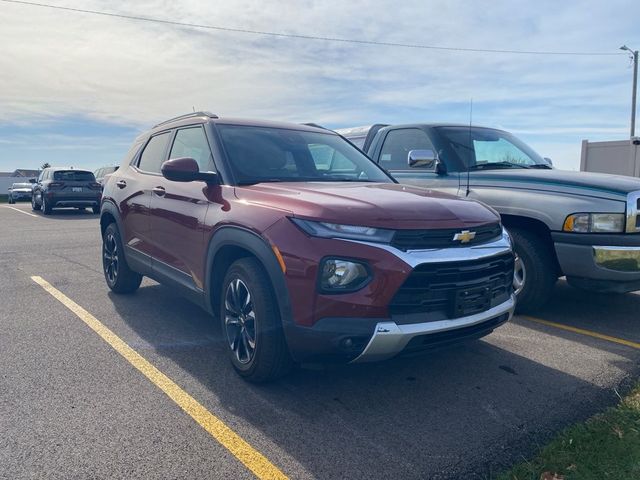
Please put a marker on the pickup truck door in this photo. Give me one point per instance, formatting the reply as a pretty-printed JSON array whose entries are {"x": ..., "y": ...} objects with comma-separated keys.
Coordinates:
[{"x": 392, "y": 154}]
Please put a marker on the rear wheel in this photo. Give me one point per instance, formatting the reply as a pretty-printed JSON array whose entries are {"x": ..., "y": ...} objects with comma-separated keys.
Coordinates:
[
  {"x": 251, "y": 324},
  {"x": 46, "y": 206},
  {"x": 34, "y": 205},
  {"x": 120, "y": 278},
  {"x": 535, "y": 272}
]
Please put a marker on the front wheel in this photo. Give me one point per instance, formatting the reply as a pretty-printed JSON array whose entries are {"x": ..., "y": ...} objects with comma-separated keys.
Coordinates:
[
  {"x": 535, "y": 272},
  {"x": 251, "y": 324},
  {"x": 120, "y": 278}
]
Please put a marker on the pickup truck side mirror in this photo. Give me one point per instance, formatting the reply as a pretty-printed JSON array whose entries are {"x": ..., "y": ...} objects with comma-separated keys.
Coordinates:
[
  {"x": 548, "y": 160},
  {"x": 32, "y": 180},
  {"x": 426, "y": 160},
  {"x": 186, "y": 170}
]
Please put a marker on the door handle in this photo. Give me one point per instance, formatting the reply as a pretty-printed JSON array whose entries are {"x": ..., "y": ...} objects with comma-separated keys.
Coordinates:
[
  {"x": 160, "y": 191},
  {"x": 121, "y": 184}
]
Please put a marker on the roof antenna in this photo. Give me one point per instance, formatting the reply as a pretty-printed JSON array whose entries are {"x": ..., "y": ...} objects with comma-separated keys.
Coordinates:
[
  {"x": 470, "y": 147},
  {"x": 194, "y": 109}
]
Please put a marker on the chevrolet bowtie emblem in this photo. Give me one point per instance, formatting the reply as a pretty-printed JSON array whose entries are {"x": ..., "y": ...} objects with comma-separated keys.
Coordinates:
[{"x": 464, "y": 236}]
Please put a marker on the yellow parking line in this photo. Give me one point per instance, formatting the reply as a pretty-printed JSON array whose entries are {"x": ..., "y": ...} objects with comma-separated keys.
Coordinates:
[
  {"x": 22, "y": 211},
  {"x": 582, "y": 331},
  {"x": 244, "y": 452}
]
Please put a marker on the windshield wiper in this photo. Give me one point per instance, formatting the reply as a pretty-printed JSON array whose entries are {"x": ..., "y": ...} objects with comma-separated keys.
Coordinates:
[
  {"x": 542, "y": 166},
  {"x": 496, "y": 165}
]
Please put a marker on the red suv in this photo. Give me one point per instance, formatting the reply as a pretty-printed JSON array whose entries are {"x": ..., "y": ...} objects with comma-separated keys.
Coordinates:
[{"x": 303, "y": 247}]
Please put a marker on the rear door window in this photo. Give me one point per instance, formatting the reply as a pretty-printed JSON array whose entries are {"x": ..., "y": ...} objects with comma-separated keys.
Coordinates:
[
  {"x": 73, "y": 176},
  {"x": 154, "y": 153}
]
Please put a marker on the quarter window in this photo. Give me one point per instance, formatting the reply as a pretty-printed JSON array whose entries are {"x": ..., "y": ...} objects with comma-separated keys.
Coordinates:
[
  {"x": 192, "y": 142},
  {"x": 398, "y": 144},
  {"x": 154, "y": 153}
]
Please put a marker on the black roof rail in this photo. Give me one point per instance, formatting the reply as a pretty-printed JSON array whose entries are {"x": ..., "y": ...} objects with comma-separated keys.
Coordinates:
[{"x": 188, "y": 115}]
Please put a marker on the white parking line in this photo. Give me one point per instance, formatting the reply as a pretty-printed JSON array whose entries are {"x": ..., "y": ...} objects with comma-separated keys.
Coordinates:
[{"x": 21, "y": 211}]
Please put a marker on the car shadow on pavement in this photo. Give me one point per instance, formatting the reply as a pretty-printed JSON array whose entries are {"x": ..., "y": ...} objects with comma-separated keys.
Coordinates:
[
  {"x": 464, "y": 412},
  {"x": 67, "y": 214}
]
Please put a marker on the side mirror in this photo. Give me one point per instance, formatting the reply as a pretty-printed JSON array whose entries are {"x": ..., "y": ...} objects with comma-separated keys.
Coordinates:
[
  {"x": 186, "y": 170},
  {"x": 426, "y": 160},
  {"x": 32, "y": 180},
  {"x": 548, "y": 160}
]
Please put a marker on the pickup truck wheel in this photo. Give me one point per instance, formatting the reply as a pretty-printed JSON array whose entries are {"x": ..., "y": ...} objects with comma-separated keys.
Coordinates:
[
  {"x": 120, "y": 278},
  {"x": 251, "y": 324},
  {"x": 534, "y": 273}
]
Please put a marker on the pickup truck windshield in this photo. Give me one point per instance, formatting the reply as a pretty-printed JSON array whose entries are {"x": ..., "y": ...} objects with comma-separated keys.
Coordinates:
[
  {"x": 487, "y": 149},
  {"x": 264, "y": 154}
]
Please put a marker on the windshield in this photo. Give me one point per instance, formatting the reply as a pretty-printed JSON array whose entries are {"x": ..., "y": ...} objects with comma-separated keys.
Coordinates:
[
  {"x": 21, "y": 185},
  {"x": 485, "y": 149},
  {"x": 264, "y": 154},
  {"x": 73, "y": 176}
]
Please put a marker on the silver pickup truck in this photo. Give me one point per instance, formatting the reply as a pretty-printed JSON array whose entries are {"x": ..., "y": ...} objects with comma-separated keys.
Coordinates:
[{"x": 584, "y": 226}]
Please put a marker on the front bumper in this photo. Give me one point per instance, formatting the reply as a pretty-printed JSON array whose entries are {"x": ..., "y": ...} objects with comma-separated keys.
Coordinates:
[
  {"x": 351, "y": 326},
  {"x": 600, "y": 262},
  {"x": 389, "y": 338}
]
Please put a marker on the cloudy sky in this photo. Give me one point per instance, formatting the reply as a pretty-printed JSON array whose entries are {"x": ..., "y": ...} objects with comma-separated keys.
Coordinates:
[{"x": 75, "y": 89}]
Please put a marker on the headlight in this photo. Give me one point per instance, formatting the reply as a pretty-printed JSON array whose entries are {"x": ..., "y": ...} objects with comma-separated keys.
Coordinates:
[
  {"x": 339, "y": 275},
  {"x": 351, "y": 232},
  {"x": 595, "y": 223}
]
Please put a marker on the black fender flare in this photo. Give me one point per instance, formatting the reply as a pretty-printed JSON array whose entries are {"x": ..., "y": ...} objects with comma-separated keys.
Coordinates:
[
  {"x": 109, "y": 207},
  {"x": 258, "y": 247}
]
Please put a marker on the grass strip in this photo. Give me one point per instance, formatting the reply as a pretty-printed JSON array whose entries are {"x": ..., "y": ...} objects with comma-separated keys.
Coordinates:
[{"x": 607, "y": 446}]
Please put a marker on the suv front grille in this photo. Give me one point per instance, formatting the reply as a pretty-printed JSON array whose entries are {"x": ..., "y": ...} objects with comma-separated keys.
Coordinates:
[
  {"x": 443, "y": 238},
  {"x": 453, "y": 289}
]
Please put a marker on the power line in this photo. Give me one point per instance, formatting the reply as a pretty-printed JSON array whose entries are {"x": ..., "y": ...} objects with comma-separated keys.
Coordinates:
[{"x": 306, "y": 37}]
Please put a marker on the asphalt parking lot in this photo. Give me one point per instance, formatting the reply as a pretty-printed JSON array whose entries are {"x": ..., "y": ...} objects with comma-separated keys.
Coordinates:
[{"x": 72, "y": 407}]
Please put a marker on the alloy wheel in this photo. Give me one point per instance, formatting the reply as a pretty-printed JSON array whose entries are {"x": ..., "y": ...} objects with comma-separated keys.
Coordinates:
[
  {"x": 110, "y": 255},
  {"x": 240, "y": 321}
]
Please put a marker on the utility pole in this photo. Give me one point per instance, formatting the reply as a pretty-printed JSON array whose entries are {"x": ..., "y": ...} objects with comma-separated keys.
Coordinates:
[{"x": 634, "y": 57}]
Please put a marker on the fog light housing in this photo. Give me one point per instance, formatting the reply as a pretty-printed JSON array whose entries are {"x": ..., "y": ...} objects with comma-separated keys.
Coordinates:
[{"x": 338, "y": 275}]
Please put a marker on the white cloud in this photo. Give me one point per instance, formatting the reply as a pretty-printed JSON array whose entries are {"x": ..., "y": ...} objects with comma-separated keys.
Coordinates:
[{"x": 57, "y": 64}]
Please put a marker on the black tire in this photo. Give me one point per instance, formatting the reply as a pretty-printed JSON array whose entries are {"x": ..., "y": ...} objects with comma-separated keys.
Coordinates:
[
  {"x": 119, "y": 277},
  {"x": 46, "y": 206},
  {"x": 539, "y": 265},
  {"x": 34, "y": 205},
  {"x": 96, "y": 209},
  {"x": 270, "y": 358}
]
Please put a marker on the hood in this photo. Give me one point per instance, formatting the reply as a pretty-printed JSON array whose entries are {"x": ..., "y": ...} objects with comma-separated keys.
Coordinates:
[
  {"x": 384, "y": 205},
  {"x": 559, "y": 179}
]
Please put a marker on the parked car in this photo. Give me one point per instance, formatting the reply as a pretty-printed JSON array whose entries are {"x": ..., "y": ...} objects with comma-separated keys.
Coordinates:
[
  {"x": 104, "y": 172},
  {"x": 65, "y": 187},
  {"x": 300, "y": 260},
  {"x": 579, "y": 225},
  {"x": 20, "y": 191}
]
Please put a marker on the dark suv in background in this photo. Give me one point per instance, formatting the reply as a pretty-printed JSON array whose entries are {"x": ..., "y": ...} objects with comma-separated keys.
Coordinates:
[
  {"x": 303, "y": 247},
  {"x": 66, "y": 187}
]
